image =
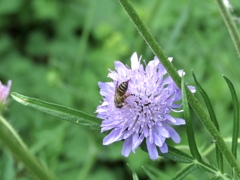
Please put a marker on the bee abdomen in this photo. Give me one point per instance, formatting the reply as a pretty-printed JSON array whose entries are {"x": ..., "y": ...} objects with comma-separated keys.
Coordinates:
[{"x": 123, "y": 88}]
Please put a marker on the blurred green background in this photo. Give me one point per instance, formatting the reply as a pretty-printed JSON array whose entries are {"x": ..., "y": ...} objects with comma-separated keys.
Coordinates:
[{"x": 58, "y": 51}]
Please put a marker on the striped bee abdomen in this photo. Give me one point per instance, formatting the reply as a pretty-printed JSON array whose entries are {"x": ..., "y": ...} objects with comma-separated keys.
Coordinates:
[
  {"x": 122, "y": 88},
  {"x": 120, "y": 94}
]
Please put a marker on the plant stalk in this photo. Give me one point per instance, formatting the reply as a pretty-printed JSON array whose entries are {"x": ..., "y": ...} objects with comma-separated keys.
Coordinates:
[
  {"x": 197, "y": 107},
  {"x": 14, "y": 143}
]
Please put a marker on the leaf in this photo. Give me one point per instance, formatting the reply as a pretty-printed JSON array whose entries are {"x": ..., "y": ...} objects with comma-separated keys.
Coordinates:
[
  {"x": 236, "y": 117},
  {"x": 213, "y": 118},
  {"x": 134, "y": 174},
  {"x": 187, "y": 116},
  {"x": 207, "y": 102},
  {"x": 135, "y": 177},
  {"x": 173, "y": 154},
  {"x": 216, "y": 178},
  {"x": 62, "y": 112},
  {"x": 149, "y": 174},
  {"x": 177, "y": 155},
  {"x": 185, "y": 171}
]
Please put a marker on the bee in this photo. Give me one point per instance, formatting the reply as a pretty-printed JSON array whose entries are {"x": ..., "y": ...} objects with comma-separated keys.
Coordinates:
[{"x": 120, "y": 94}]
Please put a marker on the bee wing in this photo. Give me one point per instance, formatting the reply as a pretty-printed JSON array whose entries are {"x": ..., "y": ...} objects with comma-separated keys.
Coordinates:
[{"x": 116, "y": 87}]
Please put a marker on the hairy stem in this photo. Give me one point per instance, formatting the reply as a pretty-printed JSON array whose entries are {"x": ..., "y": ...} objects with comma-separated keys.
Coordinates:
[
  {"x": 199, "y": 110},
  {"x": 14, "y": 143},
  {"x": 230, "y": 24}
]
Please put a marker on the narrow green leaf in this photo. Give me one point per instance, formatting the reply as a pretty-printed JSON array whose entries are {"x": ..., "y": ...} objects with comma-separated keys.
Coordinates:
[
  {"x": 213, "y": 118},
  {"x": 212, "y": 170},
  {"x": 207, "y": 102},
  {"x": 134, "y": 174},
  {"x": 173, "y": 154},
  {"x": 236, "y": 117},
  {"x": 207, "y": 167},
  {"x": 149, "y": 174},
  {"x": 62, "y": 112},
  {"x": 135, "y": 177},
  {"x": 187, "y": 116},
  {"x": 176, "y": 155},
  {"x": 225, "y": 177},
  {"x": 216, "y": 178},
  {"x": 155, "y": 173},
  {"x": 185, "y": 171}
]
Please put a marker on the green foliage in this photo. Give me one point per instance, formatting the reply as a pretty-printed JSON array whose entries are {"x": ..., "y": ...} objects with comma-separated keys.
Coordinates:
[
  {"x": 235, "y": 132},
  {"x": 213, "y": 119},
  {"x": 59, "y": 111},
  {"x": 173, "y": 154},
  {"x": 58, "y": 51},
  {"x": 187, "y": 116}
]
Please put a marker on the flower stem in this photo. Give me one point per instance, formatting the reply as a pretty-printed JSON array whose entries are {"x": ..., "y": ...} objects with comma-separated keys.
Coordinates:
[
  {"x": 231, "y": 26},
  {"x": 199, "y": 110},
  {"x": 90, "y": 158},
  {"x": 11, "y": 139}
]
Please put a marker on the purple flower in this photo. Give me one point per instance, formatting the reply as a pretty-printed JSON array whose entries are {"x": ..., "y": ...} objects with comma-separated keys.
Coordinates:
[
  {"x": 146, "y": 105},
  {"x": 4, "y": 92}
]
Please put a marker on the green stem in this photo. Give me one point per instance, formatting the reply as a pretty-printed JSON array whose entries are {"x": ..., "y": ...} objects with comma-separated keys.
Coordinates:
[
  {"x": 199, "y": 110},
  {"x": 90, "y": 158},
  {"x": 11, "y": 139},
  {"x": 12, "y": 131},
  {"x": 231, "y": 26}
]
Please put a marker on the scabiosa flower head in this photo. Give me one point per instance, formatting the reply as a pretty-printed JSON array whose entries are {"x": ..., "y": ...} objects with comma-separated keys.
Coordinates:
[
  {"x": 149, "y": 95},
  {"x": 4, "y": 92}
]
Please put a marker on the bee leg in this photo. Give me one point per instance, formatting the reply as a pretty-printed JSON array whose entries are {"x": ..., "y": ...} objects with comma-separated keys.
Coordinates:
[{"x": 127, "y": 95}]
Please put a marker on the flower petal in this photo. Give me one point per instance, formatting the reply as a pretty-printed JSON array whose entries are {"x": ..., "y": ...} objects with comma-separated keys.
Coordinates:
[
  {"x": 179, "y": 121},
  {"x": 181, "y": 73},
  {"x": 152, "y": 150},
  {"x": 173, "y": 134},
  {"x": 112, "y": 137},
  {"x": 113, "y": 75},
  {"x": 170, "y": 59},
  {"x": 121, "y": 69},
  {"x": 137, "y": 143},
  {"x": 164, "y": 148},
  {"x": 192, "y": 89},
  {"x": 4, "y": 92},
  {"x": 163, "y": 132},
  {"x": 170, "y": 118},
  {"x": 135, "y": 63},
  {"x": 127, "y": 146},
  {"x": 157, "y": 140}
]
